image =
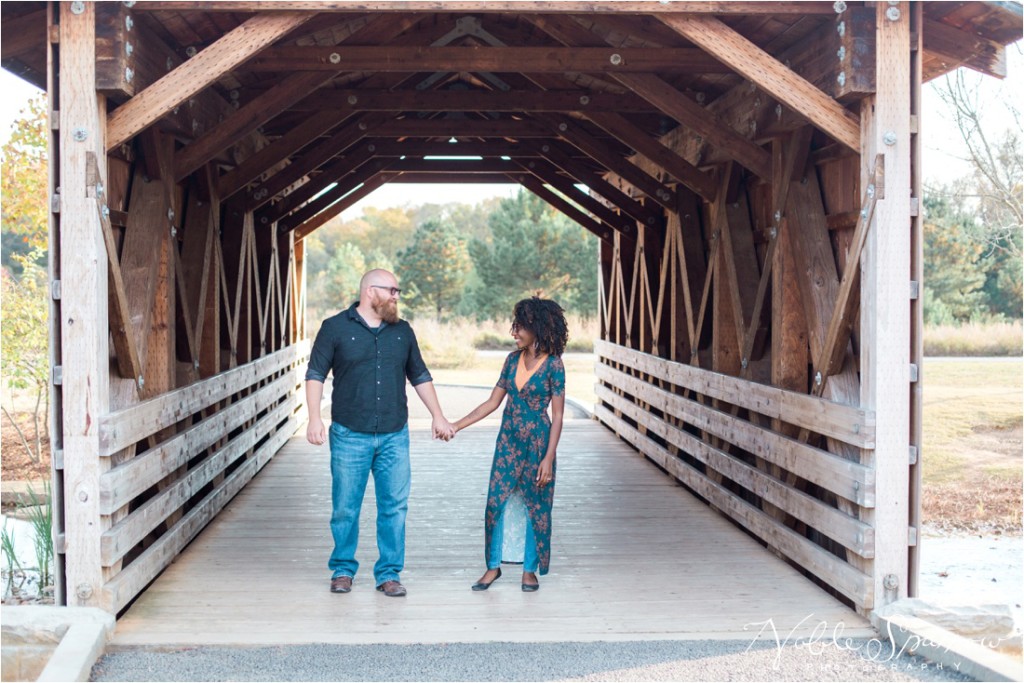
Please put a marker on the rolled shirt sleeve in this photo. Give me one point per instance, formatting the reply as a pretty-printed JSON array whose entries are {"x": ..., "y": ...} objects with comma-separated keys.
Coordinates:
[
  {"x": 321, "y": 358},
  {"x": 415, "y": 369}
]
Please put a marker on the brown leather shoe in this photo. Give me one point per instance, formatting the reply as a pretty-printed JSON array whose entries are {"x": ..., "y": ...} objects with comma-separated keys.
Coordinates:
[
  {"x": 341, "y": 584},
  {"x": 392, "y": 589}
]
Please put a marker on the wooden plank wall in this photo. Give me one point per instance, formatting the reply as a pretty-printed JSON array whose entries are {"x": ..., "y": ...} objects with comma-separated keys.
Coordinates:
[{"x": 193, "y": 381}]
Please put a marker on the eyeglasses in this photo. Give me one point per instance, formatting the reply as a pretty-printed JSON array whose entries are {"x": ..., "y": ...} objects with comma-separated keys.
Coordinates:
[{"x": 393, "y": 291}]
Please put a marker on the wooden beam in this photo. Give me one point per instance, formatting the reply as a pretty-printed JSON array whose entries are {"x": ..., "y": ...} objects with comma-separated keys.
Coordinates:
[
  {"x": 474, "y": 100},
  {"x": 497, "y": 6},
  {"x": 413, "y": 178},
  {"x": 247, "y": 119},
  {"x": 660, "y": 155},
  {"x": 841, "y": 325},
  {"x": 19, "y": 35},
  {"x": 695, "y": 117},
  {"x": 531, "y": 183},
  {"x": 371, "y": 184},
  {"x": 549, "y": 175},
  {"x": 194, "y": 75},
  {"x": 768, "y": 73},
  {"x": 277, "y": 152},
  {"x": 332, "y": 173},
  {"x": 345, "y": 187},
  {"x": 575, "y": 135},
  {"x": 885, "y": 313},
  {"x": 962, "y": 48},
  {"x": 617, "y": 197},
  {"x": 353, "y": 131},
  {"x": 84, "y": 349},
  {"x": 418, "y": 59}
]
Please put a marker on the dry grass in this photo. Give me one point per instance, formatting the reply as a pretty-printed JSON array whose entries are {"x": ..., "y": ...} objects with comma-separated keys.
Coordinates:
[
  {"x": 971, "y": 456},
  {"x": 452, "y": 345},
  {"x": 974, "y": 339}
]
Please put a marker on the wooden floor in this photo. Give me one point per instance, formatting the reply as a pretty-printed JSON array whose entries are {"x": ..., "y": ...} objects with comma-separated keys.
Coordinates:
[{"x": 634, "y": 557}]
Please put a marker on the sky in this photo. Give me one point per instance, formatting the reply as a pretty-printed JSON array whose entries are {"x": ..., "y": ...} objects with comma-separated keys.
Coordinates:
[{"x": 943, "y": 151}]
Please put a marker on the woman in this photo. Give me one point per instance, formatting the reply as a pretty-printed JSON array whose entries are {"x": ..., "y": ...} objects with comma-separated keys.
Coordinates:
[{"x": 522, "y": 485}]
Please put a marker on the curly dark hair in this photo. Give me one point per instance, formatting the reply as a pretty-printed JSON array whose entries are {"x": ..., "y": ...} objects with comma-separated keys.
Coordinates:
[{"x": 546, "y": 320}]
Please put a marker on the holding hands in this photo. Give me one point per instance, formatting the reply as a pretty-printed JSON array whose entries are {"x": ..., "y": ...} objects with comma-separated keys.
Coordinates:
[{"x": 443, "y": 429}]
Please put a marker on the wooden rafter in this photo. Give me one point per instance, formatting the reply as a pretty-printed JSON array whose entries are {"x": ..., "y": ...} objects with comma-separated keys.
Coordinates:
[
  {"x": 330, "y": 174},
  {"x": 663, "y": 157},
  {"x": 663, "y": 95},
  {"x": 962, "y": 48},
  {"x": 531, "y": 183},
  {"x": 574, "y": 134},
  {"x": 549, "y": 176},
  {"x": 769, "y": 73},
  {"x": 277, "y": 152},
  {"x": 371, "y": 184},
  {"x": 351, "y": 182},
  {"x": 198, "y": 72},
  {"x": 617, "y": 197},
  {"x": 245, "y": 120},
  {"x": 315, "y": 157}
]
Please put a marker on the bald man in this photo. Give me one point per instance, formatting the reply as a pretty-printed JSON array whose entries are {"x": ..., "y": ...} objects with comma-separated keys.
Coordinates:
[{"x": 371, "y": 352}]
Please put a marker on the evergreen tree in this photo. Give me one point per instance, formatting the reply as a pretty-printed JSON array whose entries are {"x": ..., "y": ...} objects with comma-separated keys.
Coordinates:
[
  {"x": 534, "y": 250},
  {"x": 433, "y": 268}
]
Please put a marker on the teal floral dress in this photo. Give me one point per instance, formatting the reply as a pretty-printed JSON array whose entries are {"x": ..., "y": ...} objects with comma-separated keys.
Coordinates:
[{"x": 522, "y": 443}]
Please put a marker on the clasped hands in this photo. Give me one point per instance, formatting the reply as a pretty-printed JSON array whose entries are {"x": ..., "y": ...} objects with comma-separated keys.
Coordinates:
[{"x": 443, "y": 429}]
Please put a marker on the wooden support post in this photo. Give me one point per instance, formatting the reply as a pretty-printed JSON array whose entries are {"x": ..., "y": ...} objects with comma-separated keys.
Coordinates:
[
  {"x": 83, "y": 324},
  {"x": 885, "y": 305}
]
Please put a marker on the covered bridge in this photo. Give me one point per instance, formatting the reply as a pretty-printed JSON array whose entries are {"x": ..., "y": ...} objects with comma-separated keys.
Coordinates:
[{"x": 751, "y": 169}]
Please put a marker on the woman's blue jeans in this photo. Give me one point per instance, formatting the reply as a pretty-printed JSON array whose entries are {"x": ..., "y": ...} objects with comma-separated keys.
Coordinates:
[
  {"x": 530, "y": 559},
  {"x": 353, "y": 456}
]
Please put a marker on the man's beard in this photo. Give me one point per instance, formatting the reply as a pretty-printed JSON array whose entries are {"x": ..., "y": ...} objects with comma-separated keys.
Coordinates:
[{"x": 387, "y": 310}]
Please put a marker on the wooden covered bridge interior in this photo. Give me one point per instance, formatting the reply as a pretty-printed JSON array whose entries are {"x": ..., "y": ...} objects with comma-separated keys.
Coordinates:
[{"x": 752, "y": 171}]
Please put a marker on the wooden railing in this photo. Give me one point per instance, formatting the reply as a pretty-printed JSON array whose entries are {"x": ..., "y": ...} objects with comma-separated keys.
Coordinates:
[
  {"x": 785, "y": 491},
  {"x": 197, "y": 447}
]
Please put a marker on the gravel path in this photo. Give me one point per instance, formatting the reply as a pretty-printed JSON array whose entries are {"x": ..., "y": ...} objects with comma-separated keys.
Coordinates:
[{"x": 620, "y": 661}]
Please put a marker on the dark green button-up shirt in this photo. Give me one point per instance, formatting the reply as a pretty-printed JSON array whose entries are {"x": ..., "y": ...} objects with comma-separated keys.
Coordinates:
[{"x": 370, "y": 367}]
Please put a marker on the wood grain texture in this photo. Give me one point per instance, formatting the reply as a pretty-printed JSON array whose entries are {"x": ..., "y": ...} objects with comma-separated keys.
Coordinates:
[
  {"x": 197, "y": 73},
  {"x": 767, "y": 72},
  {"x": 609, "y": 511}
]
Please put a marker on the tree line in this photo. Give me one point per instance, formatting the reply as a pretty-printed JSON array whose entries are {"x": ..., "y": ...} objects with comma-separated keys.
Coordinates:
[{"x": 457, "y": 260}]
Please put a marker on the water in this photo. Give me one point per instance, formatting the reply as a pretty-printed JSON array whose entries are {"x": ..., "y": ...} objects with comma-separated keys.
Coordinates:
[{"x": 23, "y": 583}]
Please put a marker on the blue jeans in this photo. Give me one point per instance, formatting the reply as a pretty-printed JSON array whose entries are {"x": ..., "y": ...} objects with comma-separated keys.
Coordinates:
[
  {"x": 353, "y": 456},
  {"x": 530, "y": 559}
]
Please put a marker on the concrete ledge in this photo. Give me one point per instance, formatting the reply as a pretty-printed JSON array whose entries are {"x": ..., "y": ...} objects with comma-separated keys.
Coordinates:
[
  {"x": 18, "y": 492},
  {"x": 916, "y": 636},
  {"x": 60, "y": 643}
]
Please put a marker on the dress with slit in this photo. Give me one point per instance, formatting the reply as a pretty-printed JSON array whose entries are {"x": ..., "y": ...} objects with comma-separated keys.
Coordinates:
[{"x": 522, "y": 443}]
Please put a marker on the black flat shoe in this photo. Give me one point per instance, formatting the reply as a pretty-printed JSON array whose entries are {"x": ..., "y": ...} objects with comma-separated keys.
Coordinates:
[
  {"x": 481, "y": 586},
  {"x": 531, "y": 587}
]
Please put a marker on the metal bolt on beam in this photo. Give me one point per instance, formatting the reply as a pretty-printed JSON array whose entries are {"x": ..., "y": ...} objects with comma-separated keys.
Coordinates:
[
  {"x": 871, "y": 190},
  {"x": 352, "y": 99},
  {"x": 563, "y": 127},
  {"x": 83, "y": 591},
  {"x": 839, "y": 6},
  {"x": 584, "y": 100},
  {"x": 777, "y": 216},
  {"x": 170, "y": 214},
  {"x": 841, "y": 52},
  {"x": 615, "y": 59},
  {"x": 80, "y": 135},
  {"x": 191, "y": 51},
  {"x": 841, "y": 79},
  {"x": 141, "y": 381},
  {"x": 773, "y": 233},
  {"x": 817, "y": 378},
  {"x": 77, "y": 7},
  {"x": 841, "y": 28},
  {"x": 892, "y": 14},
  {"x": 129, "y": 23},
  {"x": 334, "y": 58},
  {"x": 889, "y": 138},
  {"x": 128, "y": 74},
  {"x": 129, "y": 49}
]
